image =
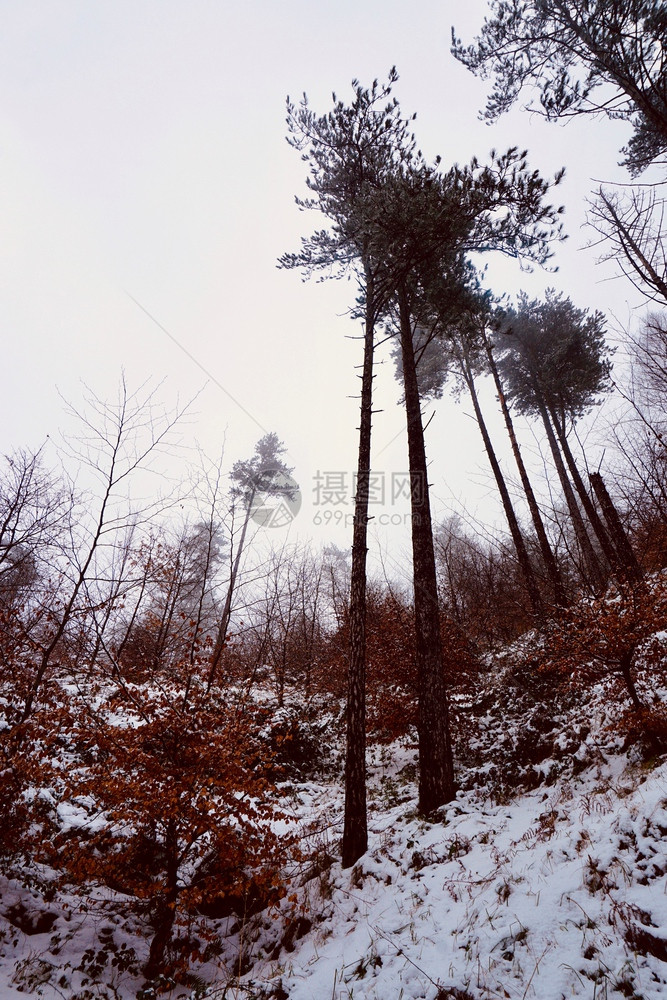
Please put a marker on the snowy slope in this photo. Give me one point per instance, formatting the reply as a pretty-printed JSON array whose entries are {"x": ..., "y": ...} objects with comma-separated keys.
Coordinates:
[{"x": 558, "y": 891}]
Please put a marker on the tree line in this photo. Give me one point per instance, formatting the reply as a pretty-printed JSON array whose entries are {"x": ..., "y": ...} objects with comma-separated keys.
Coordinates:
[{"x": 407, "y": 229}]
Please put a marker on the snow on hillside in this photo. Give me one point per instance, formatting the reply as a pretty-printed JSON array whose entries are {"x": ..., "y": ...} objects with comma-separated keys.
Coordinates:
[
  {"x": 560, "y": 892},
  {"x": 553, "y": 892}
]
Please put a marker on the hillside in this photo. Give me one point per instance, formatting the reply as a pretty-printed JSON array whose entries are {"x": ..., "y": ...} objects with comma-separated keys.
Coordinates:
[{"x": 546, "y": 878}]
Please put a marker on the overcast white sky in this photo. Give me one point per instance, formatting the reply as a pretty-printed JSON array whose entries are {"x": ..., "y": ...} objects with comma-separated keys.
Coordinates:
[{"x": 143, "y": 155}]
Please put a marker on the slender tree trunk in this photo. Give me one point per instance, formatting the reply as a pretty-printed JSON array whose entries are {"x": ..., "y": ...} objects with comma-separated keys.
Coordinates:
[
  {"x": 166, "y": 911},
  {"x": 545, "y": 547},
  {"x": 355, "y": 829},
  {"x": 225, "y": 618},
  {"x": 625, "y": 667},
  {"x": 623, "y": 546},
  {"x": 436, "y": 768},
  {"x": 598, "y": 527},
  {"x": 519, "y": 543},
  {"x": 281, "y": 685},
  {"x": 594, "y": 571},
  {"x": 167, "y": 617}
]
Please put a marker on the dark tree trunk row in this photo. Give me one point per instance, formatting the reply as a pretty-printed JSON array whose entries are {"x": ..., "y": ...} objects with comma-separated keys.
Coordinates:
[
  {"x": 629, "y": 562},
  {"x": 548, "y": 556},
  {"x": 593, "y": 569},
  {"x": 519, "y": 544},
  {"x": 586, "y": 502}
]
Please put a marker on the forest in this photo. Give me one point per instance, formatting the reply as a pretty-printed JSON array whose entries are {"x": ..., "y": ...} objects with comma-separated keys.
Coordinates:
[{"x": 218, "y": 752}]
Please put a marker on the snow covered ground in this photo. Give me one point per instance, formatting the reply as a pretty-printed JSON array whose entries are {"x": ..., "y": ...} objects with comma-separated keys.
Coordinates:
[{"x": 559, "y": 891}]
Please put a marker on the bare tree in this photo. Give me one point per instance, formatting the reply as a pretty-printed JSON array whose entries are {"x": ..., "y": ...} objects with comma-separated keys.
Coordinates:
[
  {"x": 481, "y": 584},
  {"x": 286, "y": 619},
  {"x": 33, "y": 511},
  {"x": 115, "y": 442},
  {"x": 640, "y": 480},
  {"x": 631, "y": 226}
]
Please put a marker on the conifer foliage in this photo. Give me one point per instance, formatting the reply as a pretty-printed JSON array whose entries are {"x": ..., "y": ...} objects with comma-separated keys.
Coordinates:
[{"x": 568, "y": 49}]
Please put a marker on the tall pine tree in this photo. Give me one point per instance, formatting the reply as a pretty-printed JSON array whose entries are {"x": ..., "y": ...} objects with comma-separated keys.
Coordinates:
[{"x": 350, "y": 151}]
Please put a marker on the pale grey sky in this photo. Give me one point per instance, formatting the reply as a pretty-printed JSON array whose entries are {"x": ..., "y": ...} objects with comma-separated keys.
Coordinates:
[{"x": 143, "y": 155}]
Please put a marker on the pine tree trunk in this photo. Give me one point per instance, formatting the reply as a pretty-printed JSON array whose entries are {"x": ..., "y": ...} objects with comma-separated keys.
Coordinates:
[
  {"x": 436, "y": 769},
  {"x": 166, "y": 911},
  {"x": 629, "y": 561},
  {"x": 598, "y": 527},
  {"x": 519, "y": 543},
  {"x": 355, "y": 829},
  {"x": 625, "y": 667},
  {"x": 545, "y": 547},
  {"x": 594, "y": 572}
]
